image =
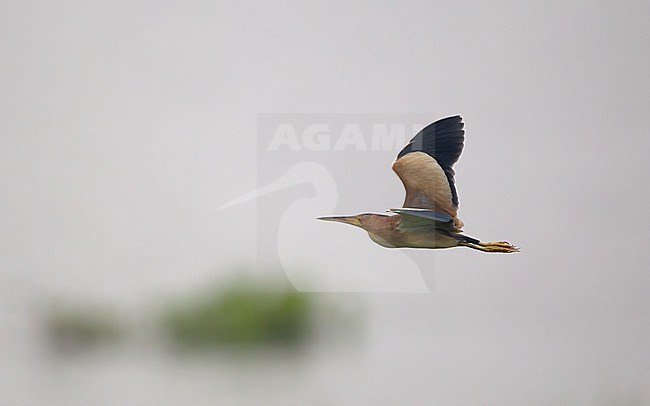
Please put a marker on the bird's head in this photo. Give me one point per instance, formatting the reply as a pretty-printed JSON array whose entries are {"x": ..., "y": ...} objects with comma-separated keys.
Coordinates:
[{"x": 367, "y": 221}]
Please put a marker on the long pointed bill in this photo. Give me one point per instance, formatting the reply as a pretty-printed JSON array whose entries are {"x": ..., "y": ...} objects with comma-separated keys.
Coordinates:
[{"x": 342, "y": 219}]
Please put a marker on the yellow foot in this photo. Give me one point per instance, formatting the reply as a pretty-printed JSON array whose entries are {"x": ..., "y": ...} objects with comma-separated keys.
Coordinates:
[{"x": 495, "y": 246}]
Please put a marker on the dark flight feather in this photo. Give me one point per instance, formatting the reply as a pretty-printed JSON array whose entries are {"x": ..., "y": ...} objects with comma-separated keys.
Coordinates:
[{"x": 443, "y": 141}]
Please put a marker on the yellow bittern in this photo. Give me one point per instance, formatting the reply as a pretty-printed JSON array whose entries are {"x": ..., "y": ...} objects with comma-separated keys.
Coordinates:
[{"x": 428, "y": 217}]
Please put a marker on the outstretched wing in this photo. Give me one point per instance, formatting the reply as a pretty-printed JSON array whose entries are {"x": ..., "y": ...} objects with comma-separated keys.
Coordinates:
[
  {"x": 417, "y": 218},
  {"x": 425, "y": 164}
]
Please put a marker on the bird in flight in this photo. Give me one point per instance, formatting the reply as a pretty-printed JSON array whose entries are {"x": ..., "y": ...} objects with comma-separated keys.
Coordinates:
[{"x": 428, "y": 218}]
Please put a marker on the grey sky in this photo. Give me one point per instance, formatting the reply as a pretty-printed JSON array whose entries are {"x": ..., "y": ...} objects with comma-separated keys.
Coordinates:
[{"x": 123, "y": 125}]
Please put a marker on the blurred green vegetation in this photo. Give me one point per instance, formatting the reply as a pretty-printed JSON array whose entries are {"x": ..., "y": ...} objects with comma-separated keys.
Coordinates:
[
  {"x": 240, "y": 314},
  {"x": 81, "y": 326}
]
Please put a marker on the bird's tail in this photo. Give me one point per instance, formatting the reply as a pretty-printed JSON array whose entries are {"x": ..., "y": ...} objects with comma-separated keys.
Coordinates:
[{"x": 466, "y": 238}]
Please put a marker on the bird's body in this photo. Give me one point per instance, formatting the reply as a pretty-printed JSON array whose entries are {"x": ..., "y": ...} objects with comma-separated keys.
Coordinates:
[
  {"x": 427, "y": 237},
  {"x": 428, "y": 218}
]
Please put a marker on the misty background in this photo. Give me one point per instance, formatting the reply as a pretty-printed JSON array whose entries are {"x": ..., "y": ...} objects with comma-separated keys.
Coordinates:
[{"x": 125, "y": 125}]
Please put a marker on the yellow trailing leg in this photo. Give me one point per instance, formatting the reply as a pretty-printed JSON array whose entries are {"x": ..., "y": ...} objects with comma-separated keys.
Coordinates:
[{"x": 495, "y": 246}]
